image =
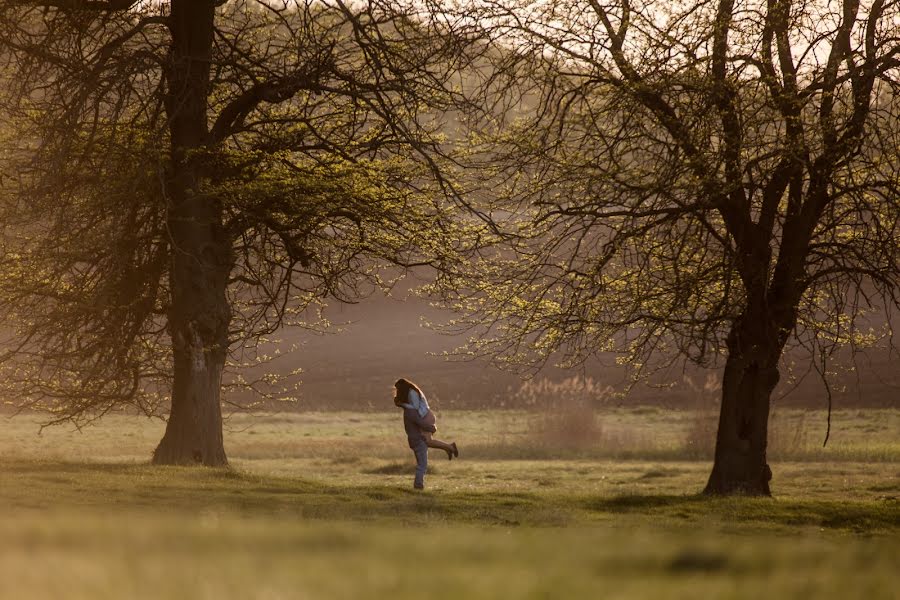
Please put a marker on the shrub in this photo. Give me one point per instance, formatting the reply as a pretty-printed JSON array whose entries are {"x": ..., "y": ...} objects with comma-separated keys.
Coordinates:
[
  {"x": 571, "y": 426},
  {"x": 548, "y": 395},
  {"x": 700, "y": 437}
]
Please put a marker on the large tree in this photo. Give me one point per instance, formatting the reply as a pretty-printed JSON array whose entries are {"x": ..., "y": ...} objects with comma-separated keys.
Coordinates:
[
  {"x": 706, "y": 179},
  {"x": 183, "y": 176}
]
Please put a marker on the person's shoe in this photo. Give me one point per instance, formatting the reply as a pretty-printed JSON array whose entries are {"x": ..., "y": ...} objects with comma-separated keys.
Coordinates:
[
  {"x": 418, "y": 487},
  {"x": 449, "y": 454},
  {"x": 455, "y": 449}
]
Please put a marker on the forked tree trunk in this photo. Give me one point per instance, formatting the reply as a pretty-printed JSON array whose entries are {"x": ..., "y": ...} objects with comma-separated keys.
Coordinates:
[
  {"x": 751, "y": 373},
  {"x": 201, "y": 252}
]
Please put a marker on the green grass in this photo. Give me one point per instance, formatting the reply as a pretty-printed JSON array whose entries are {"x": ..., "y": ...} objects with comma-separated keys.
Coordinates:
[
  {"x": 214, "y": 556},
  {"x": 320, "y": 506},
  {"x": 648, "y": 433}
]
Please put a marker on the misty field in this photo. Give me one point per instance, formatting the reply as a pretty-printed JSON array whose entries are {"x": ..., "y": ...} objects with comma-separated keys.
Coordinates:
[{"x": 557, "y": 504}]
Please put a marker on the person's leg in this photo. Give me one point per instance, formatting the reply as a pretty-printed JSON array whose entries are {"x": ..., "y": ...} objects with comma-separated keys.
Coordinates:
[
  {"x": 450, "y": 449},
  {"x": 433, "y": 443},
  {"x": 421, "y": 452}
]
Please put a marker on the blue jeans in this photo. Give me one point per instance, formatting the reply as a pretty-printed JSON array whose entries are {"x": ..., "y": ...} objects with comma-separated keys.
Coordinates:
[{"x": 421, "y": 451}]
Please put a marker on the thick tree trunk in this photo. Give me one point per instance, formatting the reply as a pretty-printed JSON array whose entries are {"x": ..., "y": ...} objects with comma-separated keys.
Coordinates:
[
  {"x": 751, "y": 373},
  {"x": 198, "y": 320},
  {"x": 201, "y": 252}
]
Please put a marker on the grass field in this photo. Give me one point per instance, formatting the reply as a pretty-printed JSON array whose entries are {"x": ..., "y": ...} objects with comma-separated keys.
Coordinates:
[{"x": 320, "y": 505}]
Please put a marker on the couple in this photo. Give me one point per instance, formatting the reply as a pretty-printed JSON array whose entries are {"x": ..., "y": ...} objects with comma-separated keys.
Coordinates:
[{"x": 419, "y": 422}]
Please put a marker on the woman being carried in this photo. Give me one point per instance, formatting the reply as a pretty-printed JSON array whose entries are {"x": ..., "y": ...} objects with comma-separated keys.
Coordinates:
[{"x": 419, "y": 423}]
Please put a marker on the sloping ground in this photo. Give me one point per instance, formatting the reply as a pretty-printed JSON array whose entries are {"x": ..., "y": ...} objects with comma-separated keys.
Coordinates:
[
  {"x": 384, "y": 339},
  {"x": 319, "y": 505}
]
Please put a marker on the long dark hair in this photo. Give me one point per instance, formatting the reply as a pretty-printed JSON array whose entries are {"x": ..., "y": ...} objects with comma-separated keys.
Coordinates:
[{"x": 402, "y": 387}]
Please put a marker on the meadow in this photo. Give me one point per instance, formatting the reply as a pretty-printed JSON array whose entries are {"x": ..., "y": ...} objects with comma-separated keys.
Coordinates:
[{"x": 540, "y": 504}]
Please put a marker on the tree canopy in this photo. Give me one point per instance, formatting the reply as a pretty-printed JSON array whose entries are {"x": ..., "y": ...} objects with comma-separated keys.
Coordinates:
[
  {"x": 704, "y": 180},
  {"x": 191, "y": 176},
  {"x": 713, "y": 180}
]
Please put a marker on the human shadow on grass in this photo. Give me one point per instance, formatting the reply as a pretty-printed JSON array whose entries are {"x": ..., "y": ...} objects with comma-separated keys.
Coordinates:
[{"x": 398, "y": 468}]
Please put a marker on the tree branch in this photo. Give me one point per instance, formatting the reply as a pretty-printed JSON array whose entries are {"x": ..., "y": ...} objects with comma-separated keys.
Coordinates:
[
  {"x": 88, "y": 5},
  {"x": 273, "y": 91}
]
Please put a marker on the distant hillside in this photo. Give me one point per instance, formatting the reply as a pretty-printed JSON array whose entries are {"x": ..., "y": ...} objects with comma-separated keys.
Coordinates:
[{"x": 384, "y": 339}]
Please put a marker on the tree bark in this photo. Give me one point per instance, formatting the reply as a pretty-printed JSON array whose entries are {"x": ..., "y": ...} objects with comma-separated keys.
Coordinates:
[
  {"x": 198, "y": 321},
  {"x": 201, "y": 260},
  {"x": 751, "y": 374}
]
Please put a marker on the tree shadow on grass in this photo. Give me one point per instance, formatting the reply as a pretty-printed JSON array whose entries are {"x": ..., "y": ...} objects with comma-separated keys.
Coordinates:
[
  {"x": 64, "y": 466},
  {"x": 768, "y": 513},
  {"x": 640, "y": 503},
  {"x": 46, "y": 484},
  {"x": 122, "y": 487}
]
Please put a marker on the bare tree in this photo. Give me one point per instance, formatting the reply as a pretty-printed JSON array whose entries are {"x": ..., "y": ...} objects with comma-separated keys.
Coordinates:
[
  {"x": 188, "y": 175},
  {"x": 710, "y": 180}
]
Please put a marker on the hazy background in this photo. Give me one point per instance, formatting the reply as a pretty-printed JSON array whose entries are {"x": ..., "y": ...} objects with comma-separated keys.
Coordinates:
[{"x": 383, "y": 338}]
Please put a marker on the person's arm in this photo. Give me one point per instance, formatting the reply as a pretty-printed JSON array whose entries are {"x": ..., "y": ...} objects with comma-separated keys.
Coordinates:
[{"x": 418, "y": 402}]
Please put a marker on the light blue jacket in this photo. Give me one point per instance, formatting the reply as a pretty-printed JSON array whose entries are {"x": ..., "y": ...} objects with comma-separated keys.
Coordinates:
[{"x": 417, "y": 402}]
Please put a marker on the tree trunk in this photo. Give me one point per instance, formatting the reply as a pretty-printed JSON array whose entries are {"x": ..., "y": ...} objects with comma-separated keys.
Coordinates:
[
  {"x": 751, "y": 373},
  {"x": 198, "y": 321},
  {"x": 201, "y": 260}
]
